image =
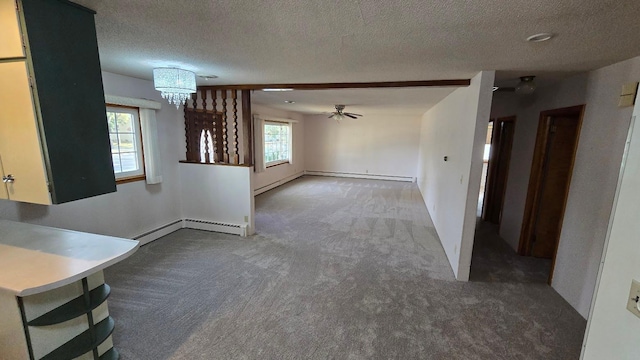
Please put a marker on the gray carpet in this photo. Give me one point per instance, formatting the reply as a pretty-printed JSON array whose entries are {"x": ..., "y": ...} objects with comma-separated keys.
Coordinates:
[{"x": 339, "y": 269}]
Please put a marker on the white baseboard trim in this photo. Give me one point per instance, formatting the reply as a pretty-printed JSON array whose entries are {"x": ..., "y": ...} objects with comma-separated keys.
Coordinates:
[
  {"x": 227, "y": 228},
  {"x": 167, "y": 229},
  {"x": 361, "y": 176},
  {"x": 277, "y": 183}
]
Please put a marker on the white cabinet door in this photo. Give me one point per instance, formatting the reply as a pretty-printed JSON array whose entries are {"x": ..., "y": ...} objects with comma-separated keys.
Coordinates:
[
  {"x": 20, "y": 146},
  {"x": 10, "y": 38}
]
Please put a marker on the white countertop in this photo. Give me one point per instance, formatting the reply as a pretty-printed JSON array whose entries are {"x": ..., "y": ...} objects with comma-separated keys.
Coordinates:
[{"x": 34, "y": 259}]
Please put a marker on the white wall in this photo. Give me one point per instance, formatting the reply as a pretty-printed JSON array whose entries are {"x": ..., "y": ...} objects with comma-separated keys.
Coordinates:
[
  {"x": 376, "y": 144},
  {"x": 217, "y": 193},
  {"x": 136, "y": 207},
  {"x": 594, "y": 177},
  {"x": 456, "y": 127},
  {"x": 275, "y": 175},
  {"x": 612, "y": 329}
]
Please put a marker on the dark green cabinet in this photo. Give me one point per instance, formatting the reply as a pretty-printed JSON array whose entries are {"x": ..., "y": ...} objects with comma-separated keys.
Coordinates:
[{"x": 54, "y": 142}]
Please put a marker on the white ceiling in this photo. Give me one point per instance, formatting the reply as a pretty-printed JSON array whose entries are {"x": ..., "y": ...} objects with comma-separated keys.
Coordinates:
[{"x": 298, "y": 41}]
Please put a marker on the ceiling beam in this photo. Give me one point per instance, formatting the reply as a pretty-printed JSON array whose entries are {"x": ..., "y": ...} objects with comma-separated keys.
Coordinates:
[{"x": 354, "y": 85}]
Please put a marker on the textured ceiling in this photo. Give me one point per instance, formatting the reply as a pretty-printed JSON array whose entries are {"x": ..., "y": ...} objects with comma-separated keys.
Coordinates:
[{"x": 300, "y": 41}]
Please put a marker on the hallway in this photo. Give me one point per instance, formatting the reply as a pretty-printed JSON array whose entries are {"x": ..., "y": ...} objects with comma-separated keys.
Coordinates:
[{"x": 494, "y": 261}]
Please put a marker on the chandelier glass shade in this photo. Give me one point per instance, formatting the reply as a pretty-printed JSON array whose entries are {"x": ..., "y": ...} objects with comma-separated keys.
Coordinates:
[{"x": 175, "y": 85}]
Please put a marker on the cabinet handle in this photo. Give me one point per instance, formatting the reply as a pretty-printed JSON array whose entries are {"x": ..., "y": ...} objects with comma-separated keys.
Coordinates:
[{"x": 8, "y": 179}]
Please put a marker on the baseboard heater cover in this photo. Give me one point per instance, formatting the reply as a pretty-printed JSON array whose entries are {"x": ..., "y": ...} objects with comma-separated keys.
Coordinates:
[
  {"x": 157, "y": 233},
  {"x": 275, "y": 184},
  {"x": 227, "y": 228},
  {"x": 361, "y": 176}
]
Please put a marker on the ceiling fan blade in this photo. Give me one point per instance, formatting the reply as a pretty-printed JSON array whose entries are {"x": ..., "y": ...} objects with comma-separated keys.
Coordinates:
[
  {"x": 349, "y": 115},
  {"x": 331, "y": 116},
  {"x": 354, "y": 114}
]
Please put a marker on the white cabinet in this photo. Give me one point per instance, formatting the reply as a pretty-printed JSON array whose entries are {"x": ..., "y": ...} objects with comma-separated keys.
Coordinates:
[
  {"x": 11, "y": 44},
  {"x": 19, "y": 141}
]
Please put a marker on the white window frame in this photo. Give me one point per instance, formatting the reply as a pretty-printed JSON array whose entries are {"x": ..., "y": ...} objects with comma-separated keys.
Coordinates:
[
  {"x": 138, "y": 146},
  {"x": 289, "y": 141}
]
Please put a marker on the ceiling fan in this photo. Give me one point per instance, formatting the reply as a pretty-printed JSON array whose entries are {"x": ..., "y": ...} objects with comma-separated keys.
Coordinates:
[
  {"x": 526, "y": 86},
  {"x": 339, "y": 114}
]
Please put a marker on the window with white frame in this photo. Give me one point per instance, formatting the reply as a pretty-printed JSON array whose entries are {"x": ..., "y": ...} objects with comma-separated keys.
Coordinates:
[
  {"x": 277, "y": 143},
  {"x": 126, "y": 142}
]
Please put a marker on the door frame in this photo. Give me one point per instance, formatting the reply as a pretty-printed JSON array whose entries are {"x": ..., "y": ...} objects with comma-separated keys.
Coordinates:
[
  {"x": 492, "y": 166},
  {"x": 535, "y": 179}
]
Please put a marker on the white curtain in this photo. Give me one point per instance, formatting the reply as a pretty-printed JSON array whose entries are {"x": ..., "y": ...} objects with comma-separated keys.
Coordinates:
[
  {"x": 258, "y": 145},
  {"x": 147, "y": 110},
  {"x": 290, "y": 143},
  {"x": 150, "y": 145}
]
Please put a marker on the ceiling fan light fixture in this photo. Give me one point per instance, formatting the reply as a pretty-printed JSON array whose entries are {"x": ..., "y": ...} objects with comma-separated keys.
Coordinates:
[{"x": 526, "y": 86}]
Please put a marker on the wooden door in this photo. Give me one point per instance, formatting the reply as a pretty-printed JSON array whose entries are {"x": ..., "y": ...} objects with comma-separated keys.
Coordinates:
[
  {"x": 20, "y": 146},
  {"x": 554, "y": 185},
  {"x": 551, "y": 169},
  {"x": 501, "y": 143}
]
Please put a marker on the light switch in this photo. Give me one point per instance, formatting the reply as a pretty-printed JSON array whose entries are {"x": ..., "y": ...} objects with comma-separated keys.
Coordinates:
[{"x": 633, "y": 303}]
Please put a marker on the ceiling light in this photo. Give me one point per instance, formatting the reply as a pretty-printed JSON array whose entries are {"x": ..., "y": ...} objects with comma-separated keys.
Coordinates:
[
  {"x": 175, "y": 85},
  {"x": 526, "y": 85},
  {"x": 290, "y": 102},
  {"x": 277, "y": 89},
  {"x": 540, "y": 37}
]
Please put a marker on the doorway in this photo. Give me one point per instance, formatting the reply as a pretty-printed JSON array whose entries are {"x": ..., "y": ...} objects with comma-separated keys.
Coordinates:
[
  {"x": 498, "y": 168},
  {"x": 485, "y": 167},
  {"x": 551, "y": 169}
]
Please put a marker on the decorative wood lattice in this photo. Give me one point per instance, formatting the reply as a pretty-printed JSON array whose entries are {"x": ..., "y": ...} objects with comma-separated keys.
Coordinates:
[{"x": 207, "y": 125}]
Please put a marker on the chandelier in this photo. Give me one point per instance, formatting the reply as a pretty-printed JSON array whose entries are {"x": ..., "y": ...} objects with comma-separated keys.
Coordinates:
[{"x": 175, "y": 85}]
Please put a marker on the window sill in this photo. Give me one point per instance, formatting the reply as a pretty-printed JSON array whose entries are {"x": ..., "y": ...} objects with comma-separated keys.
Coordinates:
[
  {"x": 129, "y": 179},
  {"x": 277, "y": 164}
]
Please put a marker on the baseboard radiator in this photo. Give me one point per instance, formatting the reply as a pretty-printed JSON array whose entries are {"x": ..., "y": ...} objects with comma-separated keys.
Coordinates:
[
  {"x": 275, "y": 184},
  {"x": 159, "y": 232},
  {"x": 227, "y": 228},
  {"x": 216, "y": 226},
  {"x": 360, "y": 176}
]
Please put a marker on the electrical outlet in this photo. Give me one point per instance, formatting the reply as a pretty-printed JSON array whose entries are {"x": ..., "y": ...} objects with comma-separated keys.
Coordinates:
[
  {"x": 633, "y": 303},
  {"x": 246, "y": 219},
  {"x": 455, "y": 249}
]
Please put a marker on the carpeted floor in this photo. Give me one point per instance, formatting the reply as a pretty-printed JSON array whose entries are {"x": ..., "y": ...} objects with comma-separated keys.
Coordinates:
[{"x": 339, "y": 269}]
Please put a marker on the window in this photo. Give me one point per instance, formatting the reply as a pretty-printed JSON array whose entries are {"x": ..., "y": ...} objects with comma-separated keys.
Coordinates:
[
  {"x": 277, "y": 143},
  {"x": 126, "y": 142}
]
